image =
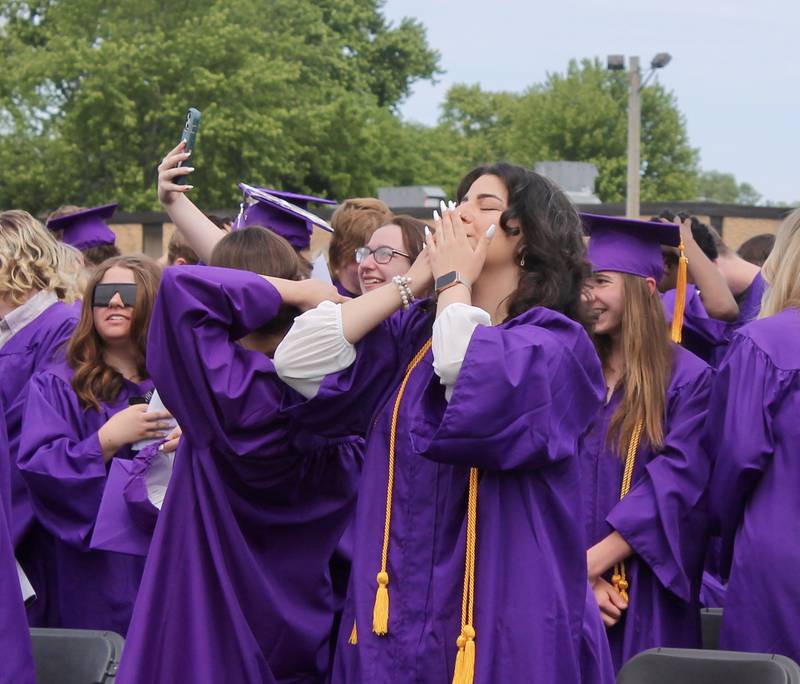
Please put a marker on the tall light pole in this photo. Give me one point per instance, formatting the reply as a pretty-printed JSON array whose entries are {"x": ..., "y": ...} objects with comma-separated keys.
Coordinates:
[{"x": 635, "y": 85}]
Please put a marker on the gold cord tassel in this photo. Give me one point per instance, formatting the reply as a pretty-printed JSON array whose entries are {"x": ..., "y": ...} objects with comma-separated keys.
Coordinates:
[
  {"x": 619, "y": 579},
  {"x": 676, "y": 331},
  {"x": 353, "y": 640},
  {"x": 380, "y": 612},
  {"x": 464, "y": 672}
]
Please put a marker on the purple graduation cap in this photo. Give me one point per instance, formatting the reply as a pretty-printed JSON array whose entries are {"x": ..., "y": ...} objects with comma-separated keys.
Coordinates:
[
  {"x": 86, "y": 228},
  {"x": 284, "y": 213},
  {"x": 628, "y": 245}
]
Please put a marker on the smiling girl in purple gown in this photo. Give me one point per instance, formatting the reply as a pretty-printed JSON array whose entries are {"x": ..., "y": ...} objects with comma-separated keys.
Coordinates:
[
  {"x": 77, "y": 418},
  {"x": 644, "y": 470}
]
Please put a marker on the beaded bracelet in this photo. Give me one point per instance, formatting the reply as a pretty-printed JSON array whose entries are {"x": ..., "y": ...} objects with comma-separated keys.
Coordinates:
[{"x": 402, "y": 283}]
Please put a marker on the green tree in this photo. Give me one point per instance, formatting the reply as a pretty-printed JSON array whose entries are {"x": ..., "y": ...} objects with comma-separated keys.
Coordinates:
[
  {"x": 580, "y": 116},
  {"x": 723, "y": 187},
  {"x": 293, "y": 94}
]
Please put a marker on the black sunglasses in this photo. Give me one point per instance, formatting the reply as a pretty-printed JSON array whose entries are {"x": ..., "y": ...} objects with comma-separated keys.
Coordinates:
[{"x": 104, "y": 293}]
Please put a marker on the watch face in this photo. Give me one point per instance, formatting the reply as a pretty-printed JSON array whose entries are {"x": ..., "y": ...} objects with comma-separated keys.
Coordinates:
[{"x": 446, "y": 279}]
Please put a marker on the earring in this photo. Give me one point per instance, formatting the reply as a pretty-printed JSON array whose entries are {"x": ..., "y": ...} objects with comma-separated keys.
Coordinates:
[{"x": 522, "y": 261}]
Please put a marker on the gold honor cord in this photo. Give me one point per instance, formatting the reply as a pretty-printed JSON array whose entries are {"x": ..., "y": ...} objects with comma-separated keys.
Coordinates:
[
  {"x": 465, "y": 658},
  {"x": 380, "y": 613},
  {"x": 619, "y": 578}
]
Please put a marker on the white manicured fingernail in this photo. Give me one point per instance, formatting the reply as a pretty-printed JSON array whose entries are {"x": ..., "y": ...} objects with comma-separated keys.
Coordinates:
[
  {"x": 451, "y": 204},
  {"x": 490, "y": 232},
  {"x": 427, "y": 232},
  {"x": 442, "y": 206},
  {"x": 436, "y": 216}
]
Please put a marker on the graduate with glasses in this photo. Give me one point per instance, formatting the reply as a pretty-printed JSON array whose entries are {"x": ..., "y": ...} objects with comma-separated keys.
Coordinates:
[
  {"x": 469, "y": 546},
  {"x": 390, "y": 252},
  {"x": 79, "y": 414},
  {"x": 644, "y": 469}
]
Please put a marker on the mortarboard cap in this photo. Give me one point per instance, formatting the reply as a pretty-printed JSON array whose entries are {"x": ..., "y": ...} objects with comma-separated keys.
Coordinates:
[
  {"x": 628, "y": 245},
  {"x": 86, "y": 228},
  {"x": 284, "y": 213}
]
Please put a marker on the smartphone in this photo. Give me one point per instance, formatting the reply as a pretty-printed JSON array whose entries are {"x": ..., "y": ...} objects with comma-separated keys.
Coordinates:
[{"x": 189, "y": 134}]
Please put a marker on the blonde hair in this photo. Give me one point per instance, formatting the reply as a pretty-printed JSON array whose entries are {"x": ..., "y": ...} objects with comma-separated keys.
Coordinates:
[
  {"x": 30, "y": 258},
  {"x": 781, "y": 270},
  {"x": 72, "y": 270},
  {"x": 647, "y": 352}
]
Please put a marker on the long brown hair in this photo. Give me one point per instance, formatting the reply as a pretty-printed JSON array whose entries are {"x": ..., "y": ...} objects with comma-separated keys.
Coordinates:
[
  {"x": 261, "y": 251},
  {"x": 93, "y": 379},
  {"x": 647, "y": 354}
]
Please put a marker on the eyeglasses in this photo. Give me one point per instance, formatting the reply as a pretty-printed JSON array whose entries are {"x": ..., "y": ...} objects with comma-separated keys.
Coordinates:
[
  {"x": 382, "y": 255},
  {"x": 103, "y": 294}
]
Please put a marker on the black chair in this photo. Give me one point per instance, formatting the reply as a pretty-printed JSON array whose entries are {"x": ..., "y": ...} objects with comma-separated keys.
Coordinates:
[
  {"x": 690, "y": 666},
  {"x": 75, "y": 656},
  {"x": 710, "y": 623}
]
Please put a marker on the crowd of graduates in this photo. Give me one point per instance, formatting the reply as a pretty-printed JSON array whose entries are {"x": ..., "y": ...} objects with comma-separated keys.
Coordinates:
[{"x": 511, "y": 443}]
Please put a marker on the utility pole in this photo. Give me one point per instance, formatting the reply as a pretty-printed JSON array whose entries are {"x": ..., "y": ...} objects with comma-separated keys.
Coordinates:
[{"x": 634, "y": 139}]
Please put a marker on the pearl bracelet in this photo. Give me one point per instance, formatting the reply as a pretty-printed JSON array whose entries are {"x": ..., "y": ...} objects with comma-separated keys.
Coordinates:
[{"x": 402, "y": 283}]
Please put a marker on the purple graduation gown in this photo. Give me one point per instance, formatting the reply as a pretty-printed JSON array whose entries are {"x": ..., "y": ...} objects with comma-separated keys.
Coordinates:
[
  {"x": 15, "y": 642},
  {"x": 753, "y": 494},
  {"x": 525, "y": 394},
  {"x": 62, "y": 462},
  {"x": 237, "y": 586},
  {"x": 663, "y": 517},
  {"x": 38, "y": 344}
]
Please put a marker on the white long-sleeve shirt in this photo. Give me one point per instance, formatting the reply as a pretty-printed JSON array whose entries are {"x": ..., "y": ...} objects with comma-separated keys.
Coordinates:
[{"x": 315, "y": 346}]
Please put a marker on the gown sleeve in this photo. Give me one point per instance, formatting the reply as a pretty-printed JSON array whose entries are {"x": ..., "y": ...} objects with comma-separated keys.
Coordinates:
[
  {"x": 221, "y": 394},
  {"x": 346, "y": 401},
  {"x": 523, "y": 398},
  {"x": 663, "y": 516},
  {"x": 740, "y": 426},
  {"x": 143, "y": 493},
  {"x": 62, "y": 466}
]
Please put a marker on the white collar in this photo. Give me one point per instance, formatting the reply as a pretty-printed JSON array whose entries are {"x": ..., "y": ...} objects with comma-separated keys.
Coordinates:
[{"x": 26, "y": 313}]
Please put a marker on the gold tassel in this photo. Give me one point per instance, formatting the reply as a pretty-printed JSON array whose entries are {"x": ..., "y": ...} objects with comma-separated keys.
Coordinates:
[
  {"x": 380, "y": 613},
  {"x": 676, "y": 331},
  {"x": 469, "y": 656},
  {"x": 353, "y": 640},
  {"x": 619, "y": 581},
  {"x": 458, "y": 673}
]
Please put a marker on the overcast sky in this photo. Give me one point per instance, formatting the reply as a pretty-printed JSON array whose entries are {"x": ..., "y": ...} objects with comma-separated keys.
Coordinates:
[{"x": 735, "y": 65}]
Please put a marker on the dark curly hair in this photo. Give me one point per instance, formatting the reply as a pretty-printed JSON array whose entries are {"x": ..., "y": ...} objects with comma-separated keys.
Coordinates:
[{"x": 551, "y": 252}]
